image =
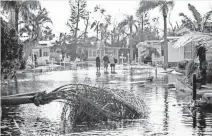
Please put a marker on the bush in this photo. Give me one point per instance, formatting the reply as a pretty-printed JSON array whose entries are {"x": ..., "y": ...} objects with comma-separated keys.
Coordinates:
[
  {"x": 191, "y": 68},
  {"x": 209, "y": 72},
  {"x": 11, "y": 51},
  {"x": 182, "y": 65}
]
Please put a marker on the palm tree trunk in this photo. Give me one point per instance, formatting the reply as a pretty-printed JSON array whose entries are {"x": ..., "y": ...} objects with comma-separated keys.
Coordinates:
[
  {"x": 16, "y": 19},
  {"x": 131, "y": 49},
  {"x": 165, "y": 42},
  {"x": 86, "y": 28},
  {"x": 97, "y": 32},
  {"x": 142, "y": 25}
]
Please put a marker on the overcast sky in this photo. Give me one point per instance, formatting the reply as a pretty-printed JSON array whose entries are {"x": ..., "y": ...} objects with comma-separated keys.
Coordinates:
[{"x": 59, "y": 10}]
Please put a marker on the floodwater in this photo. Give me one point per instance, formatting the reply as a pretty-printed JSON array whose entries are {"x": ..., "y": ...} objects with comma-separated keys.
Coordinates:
[{"x": 168, "y": 113}]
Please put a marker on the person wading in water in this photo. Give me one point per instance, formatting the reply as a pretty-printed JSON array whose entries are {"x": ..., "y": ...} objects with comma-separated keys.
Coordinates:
[
  {"x": 112, "y": 63},
  {"x": 106, "y": 61},
  {"x": 98, "y": 63}
]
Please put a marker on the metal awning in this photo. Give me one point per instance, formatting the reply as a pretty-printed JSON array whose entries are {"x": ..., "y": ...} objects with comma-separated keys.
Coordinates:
[{"x": 195, "y": 37}]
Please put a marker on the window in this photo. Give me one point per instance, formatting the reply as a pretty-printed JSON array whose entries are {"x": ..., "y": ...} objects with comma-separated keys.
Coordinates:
[
  {"x": 90, "y": 53},
  {"x": 43, "y": 44},
  {"x": 94, "y": 53},
  {"x": 45, "y": 54},
  {"x": 36, "y": 53},
  {"x": 98, "y": 51},
  {"x": 188, "y": 51}
]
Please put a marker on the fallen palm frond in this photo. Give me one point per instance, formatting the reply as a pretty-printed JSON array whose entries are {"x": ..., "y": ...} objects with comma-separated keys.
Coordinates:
[{"x": 91, "y": 103}]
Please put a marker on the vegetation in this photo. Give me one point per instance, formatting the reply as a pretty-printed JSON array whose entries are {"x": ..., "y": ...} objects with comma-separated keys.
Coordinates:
[
  {"x": 88, "y": 103},
  {"x": 11, "y": 52},
  {"x": 200, "y": 23},
  {"x": 209, "y": 72},
  {"x": 21, "y": 8},
  {"x": 182, "y": 65},
  {"x": 130, "y": 22},
  {"x": 164, "y": 6}
]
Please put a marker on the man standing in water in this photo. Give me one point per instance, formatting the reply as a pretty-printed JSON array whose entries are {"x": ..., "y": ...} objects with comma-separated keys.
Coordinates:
[
  {"x": 98, "y": 63},
  {"x": 106, "y": 61},
  {"x": 112, "y": 63}
]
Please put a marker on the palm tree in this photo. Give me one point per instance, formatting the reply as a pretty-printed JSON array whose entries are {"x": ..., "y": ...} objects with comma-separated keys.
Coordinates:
[
  {"x": 199, "y": 23},
  {"x": 164, "y": 7},
  {"x": 97, "y": 25},
  {"x": 21, "y": 9},
  {"x": 129, "y": 22},
  {"x": 149, "y": 51}
]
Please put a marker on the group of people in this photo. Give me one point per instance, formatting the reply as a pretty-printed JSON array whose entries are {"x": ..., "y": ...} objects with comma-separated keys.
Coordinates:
[{"x": 106, "y": 60}]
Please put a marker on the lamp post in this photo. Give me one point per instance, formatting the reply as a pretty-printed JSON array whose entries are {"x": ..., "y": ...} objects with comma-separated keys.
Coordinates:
[
  {"x": 60, "y": 59},
  {"x": 128, "y": 57},
  {"x": 122, "y": 58},
  {"x": 135, "y": 58}
]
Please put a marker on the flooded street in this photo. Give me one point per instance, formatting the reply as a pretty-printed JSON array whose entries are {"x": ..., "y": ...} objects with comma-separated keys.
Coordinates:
[{"x": 168, "y": 110}]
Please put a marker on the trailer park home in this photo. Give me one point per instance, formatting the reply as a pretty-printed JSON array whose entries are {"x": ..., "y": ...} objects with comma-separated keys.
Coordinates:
[
  {"x": 42, "y": 52},
  {"x": 175, "y": 55}
]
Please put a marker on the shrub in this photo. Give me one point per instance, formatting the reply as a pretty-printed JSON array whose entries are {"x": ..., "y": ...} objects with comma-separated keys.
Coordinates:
[
  {"x": 191, "y": 68},
  {"x": 209, "y": 72},
  {"x": 182, "y": 65}
]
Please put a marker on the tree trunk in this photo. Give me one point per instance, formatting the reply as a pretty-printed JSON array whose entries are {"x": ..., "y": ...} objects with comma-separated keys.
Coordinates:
[
  {"x": 131, "y": 49},
  {"x": 16, "y": 100},
  {"x": 203, "y": 64},
  {"x": 142, "y": 21},
  {"x": 86, "y": 28},
  {"x": 165, "y": 42},
  {"x": 76, "y": 29},
  {"x": 97, "y": 32},
  {"x": 16, "y": 19}
]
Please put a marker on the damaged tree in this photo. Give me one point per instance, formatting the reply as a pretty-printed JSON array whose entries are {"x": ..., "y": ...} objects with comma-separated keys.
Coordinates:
[{"x": 88, "y": 103}]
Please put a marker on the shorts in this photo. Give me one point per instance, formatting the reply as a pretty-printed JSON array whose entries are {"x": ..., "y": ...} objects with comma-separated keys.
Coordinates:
[
  {"x": 106, "y": 64},
  {"x": 97, "y": 64},
  {"x": 112, "y": 65}
]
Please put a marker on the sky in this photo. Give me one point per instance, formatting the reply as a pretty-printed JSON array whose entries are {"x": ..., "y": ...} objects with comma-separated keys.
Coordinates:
[{"x": 59, "y": 10}]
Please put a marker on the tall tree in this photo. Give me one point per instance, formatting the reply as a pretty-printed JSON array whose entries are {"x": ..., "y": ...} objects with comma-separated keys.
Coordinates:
[
  {"x": 130, "y": 22},
  {"x": 78, "y": 12},
  {"x": 199, "y": 23},
  {"x": 164, "y": 6}
]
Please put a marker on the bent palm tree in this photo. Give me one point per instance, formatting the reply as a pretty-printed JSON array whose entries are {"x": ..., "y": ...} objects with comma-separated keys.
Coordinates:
[{"x": 164, "y": 7}]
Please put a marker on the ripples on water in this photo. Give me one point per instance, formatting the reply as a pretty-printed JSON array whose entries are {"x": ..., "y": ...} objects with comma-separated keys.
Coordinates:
[{"x": 168, "y": 111}]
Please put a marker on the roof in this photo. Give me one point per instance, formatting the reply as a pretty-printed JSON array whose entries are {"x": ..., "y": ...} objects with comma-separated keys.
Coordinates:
[
  {"x": 171, "y": 38},
  {"x": 194, "y": 37},
  {"x": 149, "y": 43},
  {"x": 44, "y": 42},
  {"x": 182, "y": 30}
]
